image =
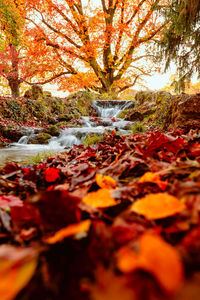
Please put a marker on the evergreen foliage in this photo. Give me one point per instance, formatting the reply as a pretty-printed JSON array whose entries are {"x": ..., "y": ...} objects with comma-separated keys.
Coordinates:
[{"x": 181, "y": 43}]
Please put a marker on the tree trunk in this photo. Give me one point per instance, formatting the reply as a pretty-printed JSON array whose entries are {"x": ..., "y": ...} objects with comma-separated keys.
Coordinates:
[
  {"x": 13, "y": 77},
  {"x": 14, "y": 86}
]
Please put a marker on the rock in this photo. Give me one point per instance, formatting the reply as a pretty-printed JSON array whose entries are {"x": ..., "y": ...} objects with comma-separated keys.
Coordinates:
[
  {"x": 135, "y": 116},
  {"x": 41, "y": 138},
  {"x": 184, "y": 111},
  {"x": 53, "y": 130},
  {"x": 34, "y": 93},
  {"x": 10, "y": 133},
  {"x": 151, "y": 98},
  {"x": 47, "y": 94}
]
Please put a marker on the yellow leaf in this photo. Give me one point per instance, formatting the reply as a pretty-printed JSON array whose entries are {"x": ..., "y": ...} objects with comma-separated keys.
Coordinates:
[
  {"x": 156, "y": 257},
  {"x": 106, "y": 182},
  {"x": 17, "y": 266},
  {"x": 157, "y": 206},
  {"x": 70, "y": 230},
  {"x": 100, "y": 199},
  {"x": 152, "y": 177}
]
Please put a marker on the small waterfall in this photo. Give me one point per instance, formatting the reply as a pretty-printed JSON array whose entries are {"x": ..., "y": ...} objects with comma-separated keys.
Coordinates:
[
  {"x": 23, "y": 140},
  {"x": 104, "y": 119},
  {"x": 111, "y": 108}
]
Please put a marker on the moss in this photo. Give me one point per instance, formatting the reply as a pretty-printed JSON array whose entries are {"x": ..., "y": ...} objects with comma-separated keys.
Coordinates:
[
  {"x": 53, "y": 130},
  {"x": 138, "y": 127},
  {"x": 123, "y": 114},
  {"x": 57, "y": 106},
  {"x": 41, "y": 138},
  {"x": 92, "y": 139}
]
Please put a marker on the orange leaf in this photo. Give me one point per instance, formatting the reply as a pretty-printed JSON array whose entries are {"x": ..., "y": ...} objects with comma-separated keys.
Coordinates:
[
  {"x": 70, "y": 230},
  {"x": 106, "y": 182},
  {"x": 17, "y": 268},
  {"x": 109, "y": 286},
  {"x": 157, "y": 206},
  {"x": 152, "y": 177},
  {"x": 99, "y": 199},
  {"x": 156, "y": 257}
]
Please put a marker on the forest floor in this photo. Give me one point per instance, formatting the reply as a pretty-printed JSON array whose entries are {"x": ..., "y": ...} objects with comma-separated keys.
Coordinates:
[{"x": 97, "y": 222}]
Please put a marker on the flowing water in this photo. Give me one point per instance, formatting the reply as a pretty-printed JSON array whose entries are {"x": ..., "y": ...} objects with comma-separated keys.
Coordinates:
[{"x": 106, "y": 119}]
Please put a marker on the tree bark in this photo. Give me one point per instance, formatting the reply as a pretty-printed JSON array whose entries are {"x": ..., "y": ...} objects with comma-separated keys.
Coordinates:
[
  {"x": 14, "y": 86},
  {"x": 13, "y": 77}
]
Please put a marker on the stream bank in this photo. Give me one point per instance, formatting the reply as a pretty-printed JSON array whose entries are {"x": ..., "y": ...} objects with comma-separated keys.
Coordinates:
[
  {"x": 103, "y": 120},
  {"x": 47, "y": 114}
]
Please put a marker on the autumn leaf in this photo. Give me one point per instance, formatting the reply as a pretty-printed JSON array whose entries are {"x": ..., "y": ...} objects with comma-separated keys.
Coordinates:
[
  {"x": 70, "y": 230},
  {"x": 100, "y": 199},
  {"x": 156, "y": 257},
  {"x": 109, "y": 286},
  {"x": 10, "y": 201},
  {"x": 17, "y": 266},
  {"x": 152, "y": 177},
  {"x": 51, "y": 174},
  {"x": 157, "y": 206},
  {"x": 106, "y": 182}
]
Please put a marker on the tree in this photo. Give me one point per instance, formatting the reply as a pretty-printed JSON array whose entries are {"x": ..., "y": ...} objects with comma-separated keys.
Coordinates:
[
  {"x": 181, "y": 43},
  {"x": 18, "y": 61},
  {"x": 11, "y": 21},
  {"x": 101, "y": 47}
]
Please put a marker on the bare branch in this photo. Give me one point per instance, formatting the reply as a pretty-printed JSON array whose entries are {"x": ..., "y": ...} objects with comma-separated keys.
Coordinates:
[{"x": 129, "y": 85}]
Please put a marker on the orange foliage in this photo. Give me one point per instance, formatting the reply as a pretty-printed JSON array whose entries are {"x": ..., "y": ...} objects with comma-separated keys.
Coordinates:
[
  {"x": 17, "y": 267},
  {"x": 156, "y": 257},
  {"x": 152, "y": 177},
  {"x": 70, "y": 230},
  {"x": 100, "y": 199},
  {"x": 101, "y": 45},
  {"x": 106, "y": 182},
  {"x": 157, "y": 206}
]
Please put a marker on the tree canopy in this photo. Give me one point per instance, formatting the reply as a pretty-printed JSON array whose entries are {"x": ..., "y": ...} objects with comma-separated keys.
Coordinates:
[
  {"x": 181, "y": 43},
  {"x": 96, "y": 46}
]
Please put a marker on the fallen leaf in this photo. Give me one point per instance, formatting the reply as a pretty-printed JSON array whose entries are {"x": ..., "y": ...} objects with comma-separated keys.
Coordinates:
[
  {"x": 9, "y": 201},
  {"x": 17, "y": 267},
  {"x": 51, "y": 174},
  {"x": 106, "y": 182},
  {"x": 70, "y": 230},
  {"x": 152, "y": 177},
  {"x": 156, "y": 257},
  {"x": 100, "y": 199},
  {"x": 108, "y": 286},
  {"x": 157, "y": 206}
]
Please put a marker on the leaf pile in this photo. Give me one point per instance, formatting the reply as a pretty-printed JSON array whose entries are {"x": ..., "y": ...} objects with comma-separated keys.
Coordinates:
[{"x": 120, "y": 217}]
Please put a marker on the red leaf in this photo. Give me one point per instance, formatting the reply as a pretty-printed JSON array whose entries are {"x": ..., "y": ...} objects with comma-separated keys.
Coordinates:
[{"x": 51, "y": 174}]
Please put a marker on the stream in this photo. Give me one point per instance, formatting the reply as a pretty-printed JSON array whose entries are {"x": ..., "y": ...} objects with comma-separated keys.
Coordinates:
[{"x": 106, "y": 110}]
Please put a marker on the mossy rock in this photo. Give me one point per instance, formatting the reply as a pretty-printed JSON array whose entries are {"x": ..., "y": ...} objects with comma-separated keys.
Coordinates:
[
  {"x": 41, "y": 138},
  {"x": 92, "y": 139},
  {"x": 47, "y": 94},
  {"x": 53, "y": 130},
  {"x": 10, "y": 133},
  {"x": 183, "y": 112},
  {"x": 34, "y": 93}
]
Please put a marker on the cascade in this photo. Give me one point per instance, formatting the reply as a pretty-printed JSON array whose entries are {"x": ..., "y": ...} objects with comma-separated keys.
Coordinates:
[{"x": 105, "y": 118}]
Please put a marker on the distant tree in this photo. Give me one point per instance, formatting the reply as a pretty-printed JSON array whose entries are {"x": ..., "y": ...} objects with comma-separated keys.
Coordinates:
[
  {"x": 99, "y": 46},
  {"x": 20, "y": 60},
  {"x": 11, "y": 26},
  {"x": 181, "y": 43}
]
